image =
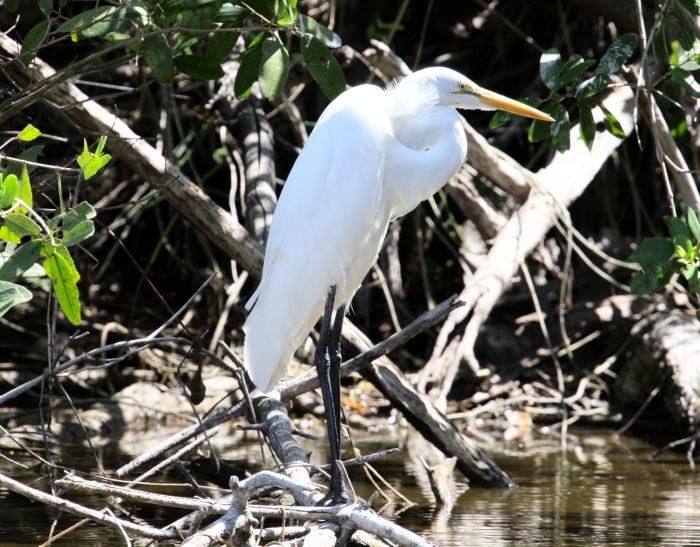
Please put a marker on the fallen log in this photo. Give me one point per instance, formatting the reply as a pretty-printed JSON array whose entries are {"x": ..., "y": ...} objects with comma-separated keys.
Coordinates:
[{"x": 665, "y": 360}]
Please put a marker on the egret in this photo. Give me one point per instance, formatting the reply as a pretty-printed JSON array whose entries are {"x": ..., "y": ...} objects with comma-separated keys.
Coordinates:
[{"x": 373, "y": 156}]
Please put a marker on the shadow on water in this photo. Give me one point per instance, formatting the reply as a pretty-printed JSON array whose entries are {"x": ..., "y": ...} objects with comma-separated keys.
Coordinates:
[{"x": 604, "y": 490}]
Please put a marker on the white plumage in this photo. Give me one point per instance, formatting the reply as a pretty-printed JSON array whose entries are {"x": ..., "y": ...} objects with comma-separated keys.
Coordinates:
[{"x": 374, "y": 155}]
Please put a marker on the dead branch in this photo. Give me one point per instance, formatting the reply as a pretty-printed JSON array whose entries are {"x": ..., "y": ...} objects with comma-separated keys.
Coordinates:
[
  {"x": 428, "y": 319},
  {"x": 556, "y": 187},
  {"x": 76, "y": 509},
  {"x": 181, "y": 437}
]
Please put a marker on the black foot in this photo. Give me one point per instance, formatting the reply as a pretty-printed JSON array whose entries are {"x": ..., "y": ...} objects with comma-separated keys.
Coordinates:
[{"x": 334, "y": 498}]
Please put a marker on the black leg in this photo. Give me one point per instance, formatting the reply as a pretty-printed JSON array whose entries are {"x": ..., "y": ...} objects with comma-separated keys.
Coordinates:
[
  {"x": 334, "y": 373},
  {"x": 323, "y": 368}
]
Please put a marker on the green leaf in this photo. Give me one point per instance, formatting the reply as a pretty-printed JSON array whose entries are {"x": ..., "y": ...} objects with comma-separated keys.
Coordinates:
[
  {"x": 550, "y": 68},
  {"x": 690, "y": 273},
  {"x": 538, "y": 131},
  {"x": 7, "y": 235},
  {"x": 693, "y": 223},
  {"x": 34, "y": 38},
  {"x": 24, "y": 189},
  {"x": 11, "y": 5},
  {"x": 118, "y": 25},
  {"x": 29, "y": 133},
  {"x": 249, "y": 67},
  {"x": 561, "y": 127},
  {"x": 84, "y": 19},
  {"x": 499, "y": 118},
  {"x": 220, "y": 46},
  {"x": 656, "y": 257},
  {"x": 308, "y": 25},
  {"x": 323, "y": 66},
  {"x": 232, "y": 15},
  {"x": 653, "y": 252},
  {"x": 573, "y": 68},
  {"x": 21, "y": 260},
  {"x": 677, "y": 228},
  {"x": 63, "y": 279},
  {"x": 686, "y": 36},
  {"x": 100, "y": 145},
  {"x": 593, "y": 85},
  {"x": 617, "y": 54},
  {"x": 274, "y": 67},
  {"x": 198, "y": 67},
  {"x": 686, "y": 80},
  {"x": 8, "y": 191},
  {"x": 21, "y": 225},
  {"x": 92, "y": 163},
  {"x": 82, "y": 211},
  {"x": 267, "y": 8},
  {"x": 30, "y": 154},
  {"x": 287, "y": 12},
  {"x": 612, "y": 124},
  {"x": 645, "y": 283},
  {"x": 65, "y": 254},
  {"x": 81, "y": 231},
  {"x": 586, "y": 123},
  {"x": 157, "y": 54},
  {"x": 45, "y": 7},
  {"x": 11, "y": 295}
]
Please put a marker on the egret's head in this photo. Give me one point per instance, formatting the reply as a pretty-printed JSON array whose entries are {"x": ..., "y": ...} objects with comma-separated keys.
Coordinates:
[{"x": 448, "y": 87}]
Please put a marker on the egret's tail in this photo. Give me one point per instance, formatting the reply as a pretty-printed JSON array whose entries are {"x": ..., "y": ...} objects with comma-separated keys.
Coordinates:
[{"x": 275, "y": 328}]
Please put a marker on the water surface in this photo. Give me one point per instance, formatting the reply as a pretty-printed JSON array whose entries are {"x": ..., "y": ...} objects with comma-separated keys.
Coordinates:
[{"x": 603, "y": 490}]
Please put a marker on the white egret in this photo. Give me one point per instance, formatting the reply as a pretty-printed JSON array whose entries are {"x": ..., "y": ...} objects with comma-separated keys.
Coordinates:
[{"x": 373, "y": 156}]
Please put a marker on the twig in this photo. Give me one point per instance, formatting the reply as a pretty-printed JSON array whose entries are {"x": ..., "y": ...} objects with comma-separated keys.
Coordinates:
[
  {"x": 181, "y": 437},
  {"x": 360, "y": 460},
  {"x": 127, "y": 344},
  {"x": 425, "y": 321},
  {"x": 171, "y": 459},
  {"x": 37, "y": 164}
]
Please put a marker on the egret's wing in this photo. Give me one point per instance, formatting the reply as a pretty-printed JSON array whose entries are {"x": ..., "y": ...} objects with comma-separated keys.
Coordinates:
[{"x": 329, "y": 207}]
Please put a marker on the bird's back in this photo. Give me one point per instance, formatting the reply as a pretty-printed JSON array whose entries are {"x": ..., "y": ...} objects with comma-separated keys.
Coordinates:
[{"x": 326, "y": 230}]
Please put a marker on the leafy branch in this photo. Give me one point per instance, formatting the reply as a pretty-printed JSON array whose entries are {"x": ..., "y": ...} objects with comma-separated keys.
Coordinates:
[
  {"x": 35, "y": 247},
  {"x": 196, "y": 37},
  {"x": 662, "y": 257}
]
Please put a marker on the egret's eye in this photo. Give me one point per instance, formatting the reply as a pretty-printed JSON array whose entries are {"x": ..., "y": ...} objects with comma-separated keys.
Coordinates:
[{"x": 464, "y": 88}]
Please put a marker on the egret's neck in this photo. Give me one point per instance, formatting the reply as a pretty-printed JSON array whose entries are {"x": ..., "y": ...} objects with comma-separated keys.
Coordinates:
[{"x": 429, "y": 148}]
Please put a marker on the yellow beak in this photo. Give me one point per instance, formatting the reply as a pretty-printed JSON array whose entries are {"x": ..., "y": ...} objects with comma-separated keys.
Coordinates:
[{"x": 501, "y": 102}]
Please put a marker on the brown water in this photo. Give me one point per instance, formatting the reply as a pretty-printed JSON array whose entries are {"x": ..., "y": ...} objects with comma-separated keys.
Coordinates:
[{"x": 603, "y": 490}]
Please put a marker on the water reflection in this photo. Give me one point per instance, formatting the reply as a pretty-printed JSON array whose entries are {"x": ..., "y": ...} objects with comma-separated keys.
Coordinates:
[{"x": 602, "y": 491}]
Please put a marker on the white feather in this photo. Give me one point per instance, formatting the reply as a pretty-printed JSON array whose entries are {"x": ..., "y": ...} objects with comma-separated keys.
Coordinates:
[{"x": 372, "y": 156}]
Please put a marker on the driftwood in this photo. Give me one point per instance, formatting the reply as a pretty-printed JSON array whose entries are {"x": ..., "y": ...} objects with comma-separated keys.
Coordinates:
[
  {"x": 275, "y": 424},
  {"x": 665, "y": 363}
]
